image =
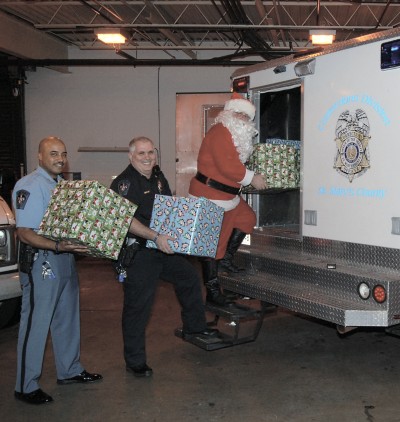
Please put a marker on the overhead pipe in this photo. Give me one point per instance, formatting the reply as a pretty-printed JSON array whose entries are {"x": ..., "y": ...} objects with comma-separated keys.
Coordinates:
[
  {"x": 126, "y": 62},
  {"x": 202, "y": 26},
  {"x": 222, "y": 16},
  {"x": 108, "y": 10},
  {"x": 318, "y": 11},
  {"x": 98, "y": 11},
  {"x": 246, "y": 53},
  {"x": 124, "y": 54},
  {"x": 383, "y": 13},
  {"x": 237, "y": 14},
  {"x": 263, "y": 15},
  {"x": 278, "y": 19},
  {"x": 153, "y": 18}
]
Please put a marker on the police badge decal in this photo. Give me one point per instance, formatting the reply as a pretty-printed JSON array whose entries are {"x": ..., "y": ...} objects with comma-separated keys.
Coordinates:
[{"x": 352, "y": 137}]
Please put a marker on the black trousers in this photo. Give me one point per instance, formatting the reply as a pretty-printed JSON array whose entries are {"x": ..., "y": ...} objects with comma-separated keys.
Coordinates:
[{"x": 143, "y": 275}]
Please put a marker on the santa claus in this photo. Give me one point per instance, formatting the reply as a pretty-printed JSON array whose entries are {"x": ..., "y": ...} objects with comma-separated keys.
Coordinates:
[{"x": 221, "y": 174}]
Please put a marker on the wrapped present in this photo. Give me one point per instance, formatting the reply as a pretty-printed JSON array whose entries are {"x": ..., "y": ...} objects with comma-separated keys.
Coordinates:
[
  {"x": 279, "y": 161},
  {"x": 88, "y": 213},
  {"x": 195, "y": 223}
]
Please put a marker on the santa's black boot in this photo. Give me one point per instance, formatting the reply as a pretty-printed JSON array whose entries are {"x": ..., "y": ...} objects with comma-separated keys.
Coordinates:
[
  {"x": 226, "y": 265},
  {"x": 210, "y": 277}
]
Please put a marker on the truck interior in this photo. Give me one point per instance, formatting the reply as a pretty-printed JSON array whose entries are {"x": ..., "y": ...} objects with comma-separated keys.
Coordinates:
[{"x": 278, "y": 209}]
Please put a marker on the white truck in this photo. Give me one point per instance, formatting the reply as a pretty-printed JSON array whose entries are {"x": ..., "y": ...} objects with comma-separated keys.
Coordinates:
[
  {"x": 329, "y": 247},
  {"x": 10, "y": 289}
]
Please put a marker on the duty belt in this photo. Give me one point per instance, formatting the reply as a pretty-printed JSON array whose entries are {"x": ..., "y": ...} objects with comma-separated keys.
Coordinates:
[{"x": 216, "y": 185}]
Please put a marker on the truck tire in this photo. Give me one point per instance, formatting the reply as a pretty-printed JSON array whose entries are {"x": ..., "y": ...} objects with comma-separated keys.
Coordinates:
[{"x": 10, "y": 311}]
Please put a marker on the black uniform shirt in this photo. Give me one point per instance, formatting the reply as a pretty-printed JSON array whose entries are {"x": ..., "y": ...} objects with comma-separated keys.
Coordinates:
[{"x": 141, "y": 191}]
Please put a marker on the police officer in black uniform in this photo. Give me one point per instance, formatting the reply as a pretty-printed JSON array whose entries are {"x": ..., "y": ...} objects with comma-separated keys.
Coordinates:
[{"x": 139, "y": 183}]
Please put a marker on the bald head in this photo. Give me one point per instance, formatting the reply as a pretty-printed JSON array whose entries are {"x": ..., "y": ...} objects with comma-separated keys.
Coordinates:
[
  {"x": 52, "y": 155},
  {"x": 48, "y": 141}
]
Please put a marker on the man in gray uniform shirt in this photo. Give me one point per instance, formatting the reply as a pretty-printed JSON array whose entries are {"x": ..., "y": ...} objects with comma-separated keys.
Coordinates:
[{"x": 50, "y": 289}]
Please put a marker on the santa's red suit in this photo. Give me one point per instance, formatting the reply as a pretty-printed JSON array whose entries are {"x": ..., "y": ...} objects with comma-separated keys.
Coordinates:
[{"x": 220, "y": 160}]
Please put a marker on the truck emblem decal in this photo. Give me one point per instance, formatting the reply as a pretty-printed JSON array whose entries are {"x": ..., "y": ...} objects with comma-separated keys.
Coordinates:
[
  {"x": 352, "y": 137},
  {"x": 22, "y": 198}
]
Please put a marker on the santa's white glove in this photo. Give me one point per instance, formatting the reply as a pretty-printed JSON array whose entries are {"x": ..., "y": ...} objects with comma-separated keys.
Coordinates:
[{"x": 258, "y": 182}]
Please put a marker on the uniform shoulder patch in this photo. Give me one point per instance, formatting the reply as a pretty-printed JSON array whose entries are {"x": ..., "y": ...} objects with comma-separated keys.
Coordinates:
[
  {"x": 123, "y": 187},
  {"x": 21, "y": 199}
]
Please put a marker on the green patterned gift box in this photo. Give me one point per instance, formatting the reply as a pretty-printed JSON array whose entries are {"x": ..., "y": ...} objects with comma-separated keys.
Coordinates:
[
  {"x": 88, "y": 213},
  {"x": 279, "y": 161}
]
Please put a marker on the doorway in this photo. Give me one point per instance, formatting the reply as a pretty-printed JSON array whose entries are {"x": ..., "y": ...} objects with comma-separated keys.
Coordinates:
[
  {"x": 279, "y": 122},
  {"x": 195, "y": 113}
]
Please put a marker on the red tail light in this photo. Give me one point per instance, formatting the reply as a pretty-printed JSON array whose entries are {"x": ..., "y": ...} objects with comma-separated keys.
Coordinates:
[{"x": 379, "y": 293}]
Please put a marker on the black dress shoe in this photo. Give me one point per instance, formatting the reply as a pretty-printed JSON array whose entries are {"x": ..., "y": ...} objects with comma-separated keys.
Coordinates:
[
  {"x": 34, "y": 397},
  {"x": 140, "y": 370},
  {"x": 82, "y": 378},
  {"x": 208, "y": 333}
]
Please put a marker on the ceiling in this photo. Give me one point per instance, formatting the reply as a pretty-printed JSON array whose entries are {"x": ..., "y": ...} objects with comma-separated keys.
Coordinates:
[{"x": 217, "y": 32}]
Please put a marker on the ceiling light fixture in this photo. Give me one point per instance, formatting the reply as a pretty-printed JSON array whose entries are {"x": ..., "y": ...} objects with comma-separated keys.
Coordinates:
[
  {"x": 110, "y": 36},
  {"x": 322, "y": 36}
]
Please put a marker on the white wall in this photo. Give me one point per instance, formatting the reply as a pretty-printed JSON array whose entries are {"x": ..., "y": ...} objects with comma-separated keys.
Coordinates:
[{"x": 108, "y": 106}]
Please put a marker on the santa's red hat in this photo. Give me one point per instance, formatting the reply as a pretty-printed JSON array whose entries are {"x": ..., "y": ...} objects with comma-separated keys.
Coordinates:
[{"x": 239, "y": 104}]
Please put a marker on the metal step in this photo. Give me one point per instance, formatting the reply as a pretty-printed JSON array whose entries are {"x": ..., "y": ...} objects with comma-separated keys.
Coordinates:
[
  {"x": 297, "y": 264},
  {"x": 267, "y": 241},
  {"x": 238, "y": 316},
  {"x": 308, "y": 298},
  {"x": 319, "y": 277}
]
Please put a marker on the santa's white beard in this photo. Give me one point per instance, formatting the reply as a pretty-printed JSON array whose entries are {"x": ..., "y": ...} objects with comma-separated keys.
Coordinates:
[{"x": 242, "y": 133}]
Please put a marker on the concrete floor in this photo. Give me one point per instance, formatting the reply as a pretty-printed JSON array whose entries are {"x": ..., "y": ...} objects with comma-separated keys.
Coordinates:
[{"x": 298, "y": 370}]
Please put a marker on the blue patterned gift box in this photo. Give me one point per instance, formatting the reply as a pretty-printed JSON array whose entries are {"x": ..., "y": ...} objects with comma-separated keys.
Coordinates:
[{"x": 195, "y": 223}]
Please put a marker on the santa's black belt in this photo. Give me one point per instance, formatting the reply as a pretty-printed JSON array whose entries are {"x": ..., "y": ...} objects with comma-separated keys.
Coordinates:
[{"x": 216, "y": 185}]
